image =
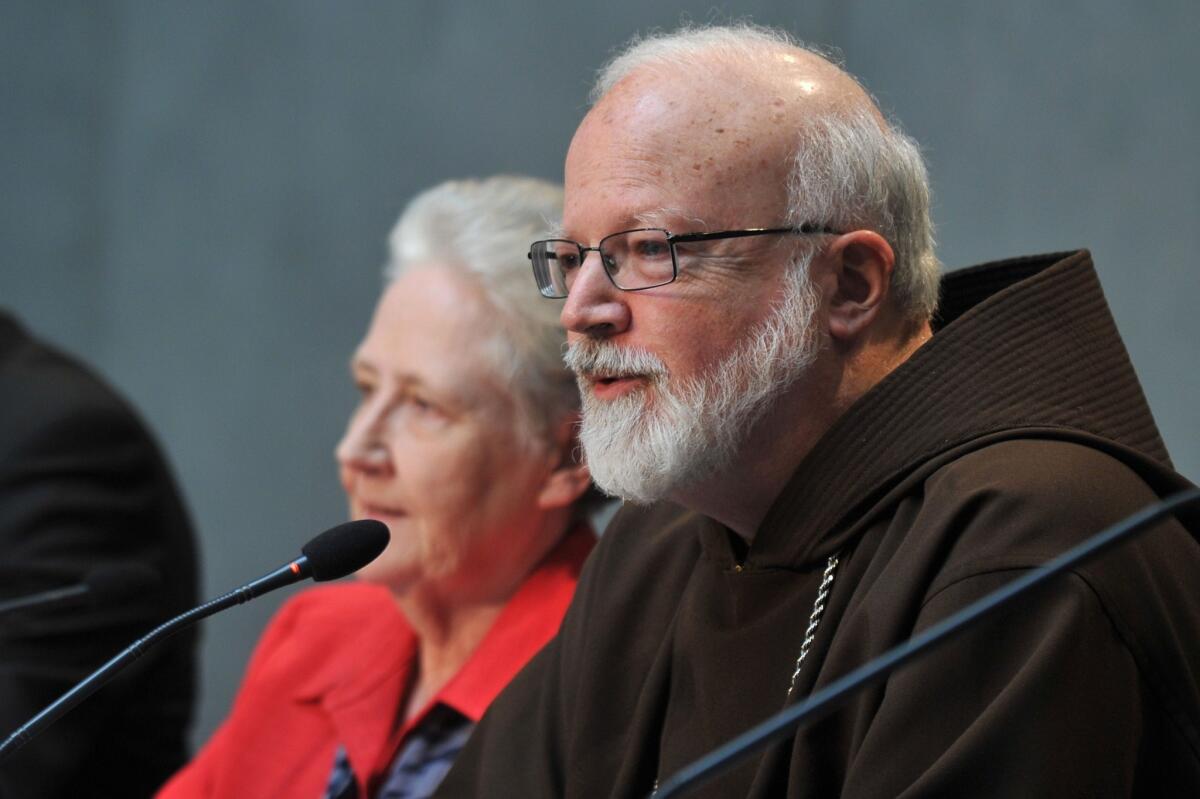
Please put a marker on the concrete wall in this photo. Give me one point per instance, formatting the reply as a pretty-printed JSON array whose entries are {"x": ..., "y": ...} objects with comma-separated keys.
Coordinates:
[{"x": 195, "y": 195}]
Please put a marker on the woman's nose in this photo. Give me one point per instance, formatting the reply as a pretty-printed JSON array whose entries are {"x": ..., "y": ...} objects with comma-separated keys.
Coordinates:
[{"x": 363, "y": 446}]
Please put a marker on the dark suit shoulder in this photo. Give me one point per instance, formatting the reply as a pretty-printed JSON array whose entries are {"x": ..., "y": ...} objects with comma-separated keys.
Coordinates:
[
  {"x": 49, "y": 399},
  {"x": 82, "y": 484}
]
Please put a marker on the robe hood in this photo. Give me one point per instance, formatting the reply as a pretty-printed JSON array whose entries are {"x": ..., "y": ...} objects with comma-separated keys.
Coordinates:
[{"x": 1025, "y": 347}]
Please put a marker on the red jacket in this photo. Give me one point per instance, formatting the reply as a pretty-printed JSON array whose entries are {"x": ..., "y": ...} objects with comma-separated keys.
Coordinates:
[{"x": 331, "y": 669}]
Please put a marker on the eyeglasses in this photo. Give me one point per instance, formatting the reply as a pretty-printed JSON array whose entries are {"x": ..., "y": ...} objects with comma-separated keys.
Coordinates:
[{"x": 633, "y": 259}]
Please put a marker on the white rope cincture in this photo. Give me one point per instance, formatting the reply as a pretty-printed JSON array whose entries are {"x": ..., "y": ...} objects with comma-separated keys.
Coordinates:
[{"x": 814, "y": 618}]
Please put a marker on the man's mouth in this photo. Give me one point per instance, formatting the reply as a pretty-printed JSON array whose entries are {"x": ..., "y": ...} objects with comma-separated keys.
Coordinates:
[{"x": 608, "y": 387}]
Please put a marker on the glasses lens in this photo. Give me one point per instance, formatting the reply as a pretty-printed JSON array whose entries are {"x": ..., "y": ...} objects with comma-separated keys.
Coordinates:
[
  {"x": 638, "y": 259},
  {"x": 554, "y": 265}
]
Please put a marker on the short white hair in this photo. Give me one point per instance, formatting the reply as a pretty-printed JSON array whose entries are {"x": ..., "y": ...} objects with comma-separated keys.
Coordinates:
[
  {"x": 481, "y": 229},
  {"x": 848, "y": 171}
]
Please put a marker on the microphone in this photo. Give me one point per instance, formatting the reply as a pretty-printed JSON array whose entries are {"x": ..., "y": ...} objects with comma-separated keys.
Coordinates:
[
  {"x": 101, "y": 586},
  {"x": 824, "y": 701},
  {"x": 335, "y": 553}
]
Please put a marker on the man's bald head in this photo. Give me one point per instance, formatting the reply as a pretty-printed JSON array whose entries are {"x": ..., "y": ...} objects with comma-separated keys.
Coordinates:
[
  {"x": 747, "y": 114},
  {"x": 759, "y": 58}
]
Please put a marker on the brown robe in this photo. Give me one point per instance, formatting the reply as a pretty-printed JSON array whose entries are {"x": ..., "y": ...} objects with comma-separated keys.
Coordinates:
[{"x": 1016, "y": 432}]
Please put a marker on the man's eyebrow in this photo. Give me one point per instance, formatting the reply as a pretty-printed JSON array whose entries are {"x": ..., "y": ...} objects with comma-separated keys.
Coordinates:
[
  {"x": 671, "y": 217},
  {"x": 658, "y": 217}
]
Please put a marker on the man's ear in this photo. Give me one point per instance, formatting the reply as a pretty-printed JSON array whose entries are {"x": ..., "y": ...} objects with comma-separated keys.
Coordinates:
[
  {"x": 568, "y": 478},
  {"x": 860, "y": 263}
]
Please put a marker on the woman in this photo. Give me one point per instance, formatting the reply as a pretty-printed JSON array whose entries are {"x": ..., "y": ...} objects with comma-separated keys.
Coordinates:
[{"x": 463, "y": 443}]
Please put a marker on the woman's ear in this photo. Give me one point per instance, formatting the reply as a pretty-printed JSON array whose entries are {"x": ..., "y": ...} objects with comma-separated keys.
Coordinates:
[
  {"x": 568, "y": 478},
  {"x": 861, "y": 263}
]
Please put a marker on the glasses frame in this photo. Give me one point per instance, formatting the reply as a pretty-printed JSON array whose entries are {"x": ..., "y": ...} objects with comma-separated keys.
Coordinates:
[{"x": 807, "y": 229}]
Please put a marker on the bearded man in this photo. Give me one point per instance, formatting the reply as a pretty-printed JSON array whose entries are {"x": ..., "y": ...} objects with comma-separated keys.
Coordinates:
[{"x": 754, "y": 318}]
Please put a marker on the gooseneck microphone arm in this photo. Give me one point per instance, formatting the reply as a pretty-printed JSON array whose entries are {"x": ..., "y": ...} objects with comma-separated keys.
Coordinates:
[
  {"x": 51, "y": 597},
  {"x": 823, "y": 702},
  {"x": 101, "y": 586},
  {"x": 285, "y": 575},
  {"x": 335, "y": 553}
]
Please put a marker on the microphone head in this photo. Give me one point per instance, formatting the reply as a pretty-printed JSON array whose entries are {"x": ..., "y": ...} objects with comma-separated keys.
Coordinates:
[
  {"x": 346, "y": 548},
  {"x": 118, "y": 581}
]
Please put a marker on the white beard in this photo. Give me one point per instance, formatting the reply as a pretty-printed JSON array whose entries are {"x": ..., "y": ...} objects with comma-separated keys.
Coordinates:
[{"x": 693, "y": 431}]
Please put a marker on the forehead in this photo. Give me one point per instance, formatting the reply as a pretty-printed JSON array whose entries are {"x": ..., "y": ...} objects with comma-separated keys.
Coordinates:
[
  {"x": 654, "y": 144},
  {"x": 432, "y": 326}
]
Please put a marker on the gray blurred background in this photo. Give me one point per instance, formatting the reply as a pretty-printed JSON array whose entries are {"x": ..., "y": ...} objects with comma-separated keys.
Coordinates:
[{"x": 195, "y": 196}]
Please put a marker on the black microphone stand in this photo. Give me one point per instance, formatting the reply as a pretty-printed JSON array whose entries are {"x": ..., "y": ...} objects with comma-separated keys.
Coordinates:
[{"x": 821, "y": 703}]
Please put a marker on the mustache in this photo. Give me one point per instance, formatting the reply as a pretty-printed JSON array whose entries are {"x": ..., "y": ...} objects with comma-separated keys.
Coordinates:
[{"x": 593, "y": 356}]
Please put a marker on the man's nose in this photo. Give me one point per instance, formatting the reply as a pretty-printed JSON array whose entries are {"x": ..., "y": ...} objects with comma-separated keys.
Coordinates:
[{"x": 594, "y": 306}]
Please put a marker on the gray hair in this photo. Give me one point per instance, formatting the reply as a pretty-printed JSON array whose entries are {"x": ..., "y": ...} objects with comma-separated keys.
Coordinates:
[
  {"x": 848, "y": 171},
  {"x": 481, "y": 229}
]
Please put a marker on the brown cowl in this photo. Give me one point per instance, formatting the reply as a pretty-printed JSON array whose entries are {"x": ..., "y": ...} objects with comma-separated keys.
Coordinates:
[{"x": 1025, "y": 347}]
